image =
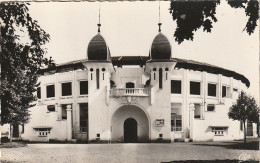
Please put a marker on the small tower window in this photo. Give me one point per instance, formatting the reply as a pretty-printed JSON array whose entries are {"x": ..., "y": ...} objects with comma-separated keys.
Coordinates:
[
  {"x": 97, "y": 78},
  {"x": 160, "y": 78}
]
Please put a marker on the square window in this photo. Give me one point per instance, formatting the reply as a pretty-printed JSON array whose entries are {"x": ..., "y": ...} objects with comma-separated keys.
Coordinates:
[
  {"x": 219, "y": 131},
  {"x": 212, "y": 90},
  {"x": 176, "y": 86},
  {"x": 50, "y": 91},
  {"x": 66, "y": 89},
  {"x": 51, "y": 108},
  {"x": 211, "y": 107},
  {"x": 98, "y": 135},
  {"x": 83, "y": 87},
  {"x": 194, "y": 88},
  {"x": 160, "y": 135}
]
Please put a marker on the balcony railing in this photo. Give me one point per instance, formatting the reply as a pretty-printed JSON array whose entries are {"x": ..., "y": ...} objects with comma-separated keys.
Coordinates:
[{"x": 129, "y": 92}]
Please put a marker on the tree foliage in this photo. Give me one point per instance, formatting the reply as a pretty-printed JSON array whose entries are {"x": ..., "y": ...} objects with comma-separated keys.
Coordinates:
[
  {"x": 22, "y": 54},
  {"x": 245, "y": 109},
  {"x": 191, "y": 16}
]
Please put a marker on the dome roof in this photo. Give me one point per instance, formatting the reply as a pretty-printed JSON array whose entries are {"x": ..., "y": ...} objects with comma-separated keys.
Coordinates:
[
  {"x": 97, "y": 48},
  {"x": 161, "y": 48}
]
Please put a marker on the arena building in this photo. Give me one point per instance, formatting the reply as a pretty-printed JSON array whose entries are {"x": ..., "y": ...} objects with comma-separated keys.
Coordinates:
[{"x": 151, "y": 98}]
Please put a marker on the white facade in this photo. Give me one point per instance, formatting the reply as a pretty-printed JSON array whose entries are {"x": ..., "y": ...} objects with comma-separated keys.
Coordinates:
[
  {"x": 109, "y": 108},
  {"x": 135, "y": 99}
]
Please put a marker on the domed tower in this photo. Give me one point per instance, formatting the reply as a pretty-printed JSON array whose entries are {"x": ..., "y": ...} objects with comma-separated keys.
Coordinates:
[
  {"x": 98, "y": 49},
  {"x": 159, "y": 67},
  {"x": 161, "y": 48},
  {"x": 99, "y": 68}
]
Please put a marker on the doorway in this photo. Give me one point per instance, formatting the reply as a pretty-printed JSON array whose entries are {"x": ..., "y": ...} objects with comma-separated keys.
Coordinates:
[
  {"x": 130, "y": 130},
  {"x": 130, "y": 85}
]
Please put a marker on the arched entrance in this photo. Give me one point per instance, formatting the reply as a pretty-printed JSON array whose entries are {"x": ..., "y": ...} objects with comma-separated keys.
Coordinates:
[
  {"x": 130, "y": 123},
  {"x": 130, "y": 130}
]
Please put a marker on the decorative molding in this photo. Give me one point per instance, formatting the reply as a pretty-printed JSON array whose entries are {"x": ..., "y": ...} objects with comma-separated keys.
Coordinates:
[{"x": 128, "y": 100}]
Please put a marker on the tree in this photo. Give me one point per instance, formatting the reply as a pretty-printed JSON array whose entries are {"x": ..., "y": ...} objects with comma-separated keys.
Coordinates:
[
  {"x": 191, "y": 16},
  {"x": 22, "y": 55},
  {"x": 245, "y": 109}
]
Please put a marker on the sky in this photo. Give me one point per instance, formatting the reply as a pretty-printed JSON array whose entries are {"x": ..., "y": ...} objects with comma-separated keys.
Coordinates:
[{"x": 130, "y": 27}]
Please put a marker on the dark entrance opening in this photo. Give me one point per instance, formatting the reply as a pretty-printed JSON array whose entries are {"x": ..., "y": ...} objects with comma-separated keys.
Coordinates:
[
  {"x": 15, "y": 131},
  {"x": 130, "y": 85},
  {"x": 130, "y": 130}
]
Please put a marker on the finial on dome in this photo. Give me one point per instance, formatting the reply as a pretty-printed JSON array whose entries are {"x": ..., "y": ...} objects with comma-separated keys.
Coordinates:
[
  {"x": 159, "y": 24},
  {"x": 99, "y": 27}
]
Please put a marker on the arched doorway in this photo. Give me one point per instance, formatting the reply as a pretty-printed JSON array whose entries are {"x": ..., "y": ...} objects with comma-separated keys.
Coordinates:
[
  {"x": 130, "y": 123},
  {"x": 130, "y": 130}
]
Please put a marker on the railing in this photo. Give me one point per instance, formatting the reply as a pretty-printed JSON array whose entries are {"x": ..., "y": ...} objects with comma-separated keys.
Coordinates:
[{"x": 129, "y": 92}]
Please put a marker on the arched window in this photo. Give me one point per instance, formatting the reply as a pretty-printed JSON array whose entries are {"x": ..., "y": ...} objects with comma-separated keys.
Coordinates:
[
  {"x": 112, "y": 84},
  {"x": 160, "y": 78},
  {"x": 147, "y": 83}
]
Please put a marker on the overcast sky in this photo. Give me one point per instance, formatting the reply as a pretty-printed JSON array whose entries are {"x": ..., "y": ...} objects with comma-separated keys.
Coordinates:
[{"x": 130, "y": 27}]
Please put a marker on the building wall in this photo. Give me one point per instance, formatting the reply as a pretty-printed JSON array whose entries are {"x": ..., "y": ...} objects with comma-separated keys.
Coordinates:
[{"x": 107, "y": 113}]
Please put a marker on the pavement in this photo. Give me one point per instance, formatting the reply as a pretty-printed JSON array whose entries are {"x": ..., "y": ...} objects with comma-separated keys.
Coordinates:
[{"x": 133, "y": 153}]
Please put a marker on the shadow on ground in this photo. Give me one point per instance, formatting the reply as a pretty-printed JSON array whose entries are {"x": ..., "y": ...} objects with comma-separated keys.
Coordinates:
[
  {"x": 13, "y": 145},
  {"x": 250, "y": 145},
  {"x": 214, "y": 161}
]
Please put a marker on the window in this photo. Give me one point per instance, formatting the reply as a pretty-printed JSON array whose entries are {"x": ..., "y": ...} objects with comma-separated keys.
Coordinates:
[
  {"x": 176, "y": 86},
  {"x": 219, "y": 131},
  {"x": 160, "y": 78},
  {"x": 112, "y": 84},
  {"x": 211, "y": 107},
  {"x": 66, "y": 89},
  {"x": 197, "y": 111},
  {"x": 176, "y": 122},
  {"x": 129, "y": 85},
  {"x": 43, "y": 132},
  {"x": 39, "y": 92},
  {"x": 50, "y": 91},
  {"x": 83, "y": 87},
  {"x": 97, "y": 78},
  {"x": 83, "y": 117},
  {"x": 212, "y": 90},
  {"x": 194, "y": 88},
  {"x": 64, "y": 112},
  {"x": 224, "y": 91},
  {"x": 51, "y": 108},
  {"x": 235, "y": 89}
]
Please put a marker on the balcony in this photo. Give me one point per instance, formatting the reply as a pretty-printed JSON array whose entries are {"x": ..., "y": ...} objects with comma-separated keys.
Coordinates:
[{"x": 119, "y": 92}]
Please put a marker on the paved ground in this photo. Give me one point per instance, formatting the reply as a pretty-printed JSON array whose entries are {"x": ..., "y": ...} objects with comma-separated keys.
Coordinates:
[{"x": 149, "y": 153}]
